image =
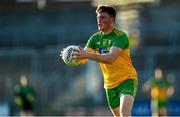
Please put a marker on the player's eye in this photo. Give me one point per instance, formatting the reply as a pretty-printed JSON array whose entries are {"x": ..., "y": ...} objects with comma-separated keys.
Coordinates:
[{"x": 100, "y": 17}]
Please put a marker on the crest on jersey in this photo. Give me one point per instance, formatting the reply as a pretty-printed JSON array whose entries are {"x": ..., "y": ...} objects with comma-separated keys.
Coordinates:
[{"x": 105, "y": 42}]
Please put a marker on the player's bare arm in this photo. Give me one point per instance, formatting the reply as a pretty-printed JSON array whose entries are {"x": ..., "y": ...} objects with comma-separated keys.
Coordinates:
[{"x": 103, "y": 58}]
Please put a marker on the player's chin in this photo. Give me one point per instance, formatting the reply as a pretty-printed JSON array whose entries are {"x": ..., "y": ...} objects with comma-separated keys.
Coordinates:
[{"x": 100, "y": 28}]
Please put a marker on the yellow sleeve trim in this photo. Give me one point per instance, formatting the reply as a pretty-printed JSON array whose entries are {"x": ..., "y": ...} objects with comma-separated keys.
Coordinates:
[{"x": 117, "y": 32}]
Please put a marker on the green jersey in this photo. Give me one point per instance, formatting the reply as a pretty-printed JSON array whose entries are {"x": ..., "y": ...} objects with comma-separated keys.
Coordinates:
[{"x": 122, "y": 68}]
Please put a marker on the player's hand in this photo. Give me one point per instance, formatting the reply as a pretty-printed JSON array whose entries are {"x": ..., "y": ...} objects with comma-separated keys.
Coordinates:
[
  {"x": 80, "y": 54},
  {"x": 61, "y": 54}
]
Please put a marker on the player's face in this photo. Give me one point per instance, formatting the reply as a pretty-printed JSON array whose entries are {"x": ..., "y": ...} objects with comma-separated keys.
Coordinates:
[
  {"x": 158, "y": 74},
  {"x": 105, "y": 21},
  {"x": 24, "y": 81}
]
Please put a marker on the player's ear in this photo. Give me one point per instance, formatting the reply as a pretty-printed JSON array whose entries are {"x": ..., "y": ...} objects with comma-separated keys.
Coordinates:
[{"x": 113, "y": 19}]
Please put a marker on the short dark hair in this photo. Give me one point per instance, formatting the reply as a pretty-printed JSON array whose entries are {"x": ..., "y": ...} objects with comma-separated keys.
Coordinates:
[{"x": 108, "y": 9}]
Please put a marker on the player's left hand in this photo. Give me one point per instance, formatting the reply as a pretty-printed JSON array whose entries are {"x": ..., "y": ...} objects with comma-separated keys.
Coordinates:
[
  {"x": 80, "y": 54},
  {"x": 61, "y": 53}
]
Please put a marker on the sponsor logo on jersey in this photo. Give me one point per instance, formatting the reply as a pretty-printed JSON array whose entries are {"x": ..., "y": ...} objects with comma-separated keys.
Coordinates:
[
  {"x": 105, "y": 42},
  {"x": 103, "y": 51}
]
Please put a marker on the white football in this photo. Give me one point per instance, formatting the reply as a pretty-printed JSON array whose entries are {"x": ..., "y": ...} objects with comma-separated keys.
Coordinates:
[{"x": 67, "y": 56}]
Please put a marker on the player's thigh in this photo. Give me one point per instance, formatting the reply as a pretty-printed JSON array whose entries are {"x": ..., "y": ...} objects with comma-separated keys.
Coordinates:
[
  {"x": 113, "y": 101},
  {"x": 126, "y": 103},
  {"x": 112, "y": 98},
  {"x": 127, "y": 95},
  {"x": 154, "y": 107}
]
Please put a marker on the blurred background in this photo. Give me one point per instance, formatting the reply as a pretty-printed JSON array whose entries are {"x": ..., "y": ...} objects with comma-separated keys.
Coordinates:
[{"x": 32, "y": 33}]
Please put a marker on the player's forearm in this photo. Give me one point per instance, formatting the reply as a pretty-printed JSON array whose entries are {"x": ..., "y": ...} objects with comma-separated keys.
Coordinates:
[{"x": 108, "y": 59}]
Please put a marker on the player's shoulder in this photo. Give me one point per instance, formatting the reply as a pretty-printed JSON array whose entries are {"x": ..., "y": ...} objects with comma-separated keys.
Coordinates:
[
  {"x": 119, "y": 32},
  {"x": 120, "y": 35},
  {"x": 96, "y": 34}
]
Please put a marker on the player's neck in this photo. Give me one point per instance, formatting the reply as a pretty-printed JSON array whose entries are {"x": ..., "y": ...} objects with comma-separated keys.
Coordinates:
[{"x": 108, "y": 31}]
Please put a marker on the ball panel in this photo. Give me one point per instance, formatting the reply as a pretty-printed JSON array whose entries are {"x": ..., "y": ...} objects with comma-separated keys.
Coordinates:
[{"x": 68, "y": 54}]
